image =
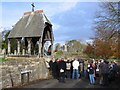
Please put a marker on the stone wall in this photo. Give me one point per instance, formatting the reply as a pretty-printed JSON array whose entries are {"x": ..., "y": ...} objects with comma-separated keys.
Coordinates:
[
  {"x": 14, "y": 72},
  {"x": 2, "y": 51}
]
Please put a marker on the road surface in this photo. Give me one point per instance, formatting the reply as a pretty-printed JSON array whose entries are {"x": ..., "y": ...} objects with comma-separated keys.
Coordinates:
[{"x": 69, "y": 83}]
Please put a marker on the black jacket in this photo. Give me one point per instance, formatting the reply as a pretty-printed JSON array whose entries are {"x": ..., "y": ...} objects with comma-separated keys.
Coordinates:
[
  {"x": 90, "y": 70},
  {"x": 62, "y": 65}
]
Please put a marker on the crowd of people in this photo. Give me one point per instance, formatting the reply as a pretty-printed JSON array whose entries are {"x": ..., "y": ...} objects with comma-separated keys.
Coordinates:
[
  {"x": 66, "y": 68},
  {"x": 105, "y": 70},
  {"x": 76, "y": 68}
]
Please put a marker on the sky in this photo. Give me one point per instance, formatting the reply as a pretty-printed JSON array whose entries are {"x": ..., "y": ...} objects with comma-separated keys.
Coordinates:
[{"x": 70, "y": 20}]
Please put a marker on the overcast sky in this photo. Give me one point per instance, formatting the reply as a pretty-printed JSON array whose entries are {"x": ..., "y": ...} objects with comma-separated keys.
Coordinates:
[{"x": 71, "y": 20}]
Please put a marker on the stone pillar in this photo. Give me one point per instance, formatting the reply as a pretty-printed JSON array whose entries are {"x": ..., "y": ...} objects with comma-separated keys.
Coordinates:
[
  {"x": 29, "y": 45},
  {"x": 23, "y": 52},
  {"x": 42, "y": 49},
  {"x": 15, "y": 52},
  {"x": 51, "y": 48},
  {"x": 18, "y": 46},
  {"x": 9, "y": 49},
  {"x": 39, "y": 46}
]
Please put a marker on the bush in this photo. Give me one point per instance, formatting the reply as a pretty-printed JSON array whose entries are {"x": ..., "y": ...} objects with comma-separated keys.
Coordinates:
[{"x": 59, "y": 53}]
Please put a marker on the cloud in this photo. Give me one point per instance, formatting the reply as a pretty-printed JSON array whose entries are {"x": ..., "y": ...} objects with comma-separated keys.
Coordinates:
[
  {"x": 75, "y": 23},
  {"x": 57, "y": 8}
]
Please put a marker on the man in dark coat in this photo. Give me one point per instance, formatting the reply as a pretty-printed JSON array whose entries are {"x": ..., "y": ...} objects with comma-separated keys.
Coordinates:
[
  {"x": 50, "y": 68},
  {"x": 62, "y": 69},
  {"x": 55, "y": 69},
  {"x": 106, "y": 72}
]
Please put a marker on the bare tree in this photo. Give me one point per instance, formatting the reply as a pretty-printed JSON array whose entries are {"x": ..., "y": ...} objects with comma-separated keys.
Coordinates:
[
  {"x": 108, "y": 19},
  {"x": 107, "y": 28}
]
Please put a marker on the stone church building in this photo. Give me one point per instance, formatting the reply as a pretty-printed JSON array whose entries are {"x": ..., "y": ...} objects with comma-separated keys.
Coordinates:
[{"x": 33, "y": 29}]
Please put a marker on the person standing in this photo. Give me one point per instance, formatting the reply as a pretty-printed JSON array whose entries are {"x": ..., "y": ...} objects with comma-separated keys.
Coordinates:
[
  {"x": 82, "y": 67},
  {"x": 75, "y": 65},
  {"x": 62, "y": 69},
  {"x": 91, "y": 74},
  {"x": 55, "y": 69},
  {"x": 101, "y": 70},
  {"x": 105, "y": 73},
  {"x": 50, "y": 68},
  {"x": 68, "y": 69}
]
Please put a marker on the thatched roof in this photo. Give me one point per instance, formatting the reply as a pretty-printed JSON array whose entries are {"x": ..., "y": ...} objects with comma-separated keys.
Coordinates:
[{"x": 32, "y": 24}]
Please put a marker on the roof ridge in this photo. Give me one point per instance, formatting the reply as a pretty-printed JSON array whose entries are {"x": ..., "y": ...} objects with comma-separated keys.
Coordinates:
[{"x": 37, "y": 11}]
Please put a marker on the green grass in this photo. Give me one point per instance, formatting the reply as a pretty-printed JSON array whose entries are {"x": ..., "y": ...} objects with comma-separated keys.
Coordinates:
[{"x": 2, "y": 59}]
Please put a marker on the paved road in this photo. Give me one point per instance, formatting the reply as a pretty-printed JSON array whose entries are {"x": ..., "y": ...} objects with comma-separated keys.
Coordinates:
[{"x": 53, "y": 83}]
